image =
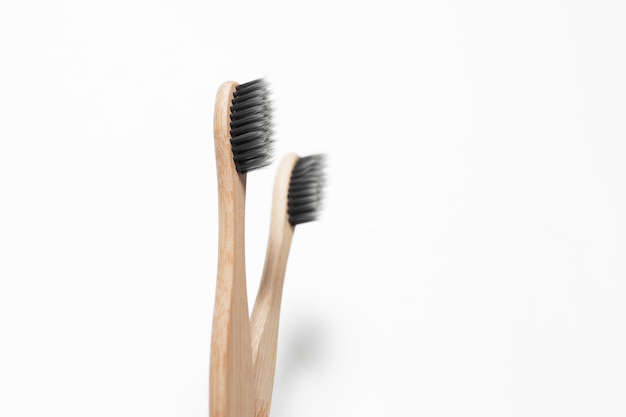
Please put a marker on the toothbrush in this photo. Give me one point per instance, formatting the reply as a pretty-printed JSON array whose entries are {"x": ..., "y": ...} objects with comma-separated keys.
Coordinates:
[
  {"x": 242, "y": 129},
  {"x": 297, "y": 199}
]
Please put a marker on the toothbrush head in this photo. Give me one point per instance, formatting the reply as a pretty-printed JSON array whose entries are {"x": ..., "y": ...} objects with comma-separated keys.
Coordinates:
[
  {"x": 251, "y": 127},
  {"x": 306, "y": 189}
]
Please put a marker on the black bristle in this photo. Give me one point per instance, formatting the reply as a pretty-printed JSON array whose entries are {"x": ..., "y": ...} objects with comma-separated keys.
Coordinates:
[
  {"x": 306, "y": 189},
  {"x": 251, "y": 132}
]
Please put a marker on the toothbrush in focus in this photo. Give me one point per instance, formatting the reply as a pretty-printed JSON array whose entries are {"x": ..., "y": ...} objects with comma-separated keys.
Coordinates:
[{"x": 243, "y": 142}]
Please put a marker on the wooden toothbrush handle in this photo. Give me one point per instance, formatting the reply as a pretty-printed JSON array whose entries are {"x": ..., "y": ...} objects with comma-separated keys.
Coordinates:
[
  {"x": 231, "y": 378},
  {"x": 266, "y": 312}
]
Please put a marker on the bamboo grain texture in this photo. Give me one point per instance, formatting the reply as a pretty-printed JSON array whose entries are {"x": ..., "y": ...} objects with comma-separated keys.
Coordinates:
[{"x": 231, "y": 378}]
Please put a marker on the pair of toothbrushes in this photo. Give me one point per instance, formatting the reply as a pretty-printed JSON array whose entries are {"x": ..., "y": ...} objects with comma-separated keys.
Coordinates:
[{"x": 243, "y": 348}]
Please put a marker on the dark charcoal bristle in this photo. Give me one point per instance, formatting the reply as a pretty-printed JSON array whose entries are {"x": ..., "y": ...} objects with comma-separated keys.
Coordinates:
[
  {"x": 306, "y": 189},
  {"x": 251, "y": 126}
]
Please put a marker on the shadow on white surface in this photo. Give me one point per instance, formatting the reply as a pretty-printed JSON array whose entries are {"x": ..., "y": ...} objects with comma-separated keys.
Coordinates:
[{"x": 304, "y": 349}]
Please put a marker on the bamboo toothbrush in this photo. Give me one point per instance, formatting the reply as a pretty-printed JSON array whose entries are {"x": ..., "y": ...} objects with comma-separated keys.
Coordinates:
[
  {"x": 298, "y": 192},
  {"x": 243, "y": 142}
]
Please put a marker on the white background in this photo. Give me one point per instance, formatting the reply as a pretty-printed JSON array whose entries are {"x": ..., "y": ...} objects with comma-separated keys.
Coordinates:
[{"x": 470, "y": 260}]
